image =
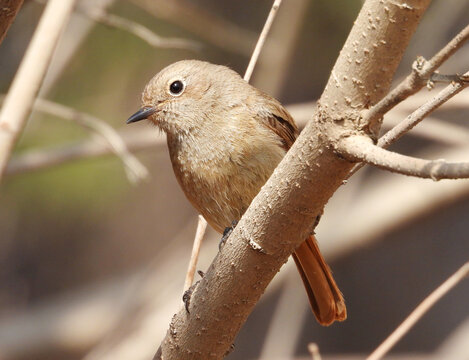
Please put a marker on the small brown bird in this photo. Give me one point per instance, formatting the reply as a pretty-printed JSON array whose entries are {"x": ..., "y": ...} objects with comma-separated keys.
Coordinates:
[{"x": 225, "y": 138}]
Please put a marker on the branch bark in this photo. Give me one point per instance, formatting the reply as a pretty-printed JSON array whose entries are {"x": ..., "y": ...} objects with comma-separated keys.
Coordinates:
[
  {"x": 284, "y": 211},
  {"x": 360, "y": 148},
  {"x": 20, "y": 97}
]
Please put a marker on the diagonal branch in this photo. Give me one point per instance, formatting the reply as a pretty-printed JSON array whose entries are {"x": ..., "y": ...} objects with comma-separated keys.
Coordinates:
[
  {"x": 34, "y": 160},
  {"x": 283, "y": 212},
  {"x": 20, "y": 97},
  {"x": 135, "y": 170}
]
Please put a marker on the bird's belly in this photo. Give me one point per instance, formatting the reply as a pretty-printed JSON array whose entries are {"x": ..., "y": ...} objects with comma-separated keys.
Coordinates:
[
  {"x": 221, "y": 199},
  {"x": 221, "y": 183}
]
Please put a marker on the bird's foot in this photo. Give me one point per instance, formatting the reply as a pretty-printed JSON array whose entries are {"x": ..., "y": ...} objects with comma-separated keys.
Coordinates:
[
  {"x": 186, "y": 297},
  {"x": 226, "y": 234}
]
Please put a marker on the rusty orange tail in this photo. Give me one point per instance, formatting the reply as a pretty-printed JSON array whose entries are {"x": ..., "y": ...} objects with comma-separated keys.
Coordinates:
[{"x": 324, "y": 296}]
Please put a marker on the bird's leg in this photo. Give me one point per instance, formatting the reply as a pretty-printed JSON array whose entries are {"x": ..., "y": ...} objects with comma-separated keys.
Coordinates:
[
  {"x": 226, "y": 234},
  {"x": 186, "y": 297}
]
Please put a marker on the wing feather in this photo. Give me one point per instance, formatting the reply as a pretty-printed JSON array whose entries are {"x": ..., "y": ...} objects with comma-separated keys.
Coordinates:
[{"x": 275, "y": 117}]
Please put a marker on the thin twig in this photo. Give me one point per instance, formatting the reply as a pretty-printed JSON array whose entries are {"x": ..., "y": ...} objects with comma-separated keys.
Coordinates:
[
  {"x": 140, "y": 31},
  {"x": 359, "y": 148},
  {"x": 261, "y": 40},
  {"x": 30, "y": 75},
  {"x": 417, "y": 116},
  {"x": 419, "y": 311},
  {"x": 34, "y": 160},
  {"x": 436, "y": 130},
  {"x": 201, "y": 22},
  {"x": 249, "y": 70},
  {"x": 135, "y": 170},
  {"x": 199, "y": 236},
  {"x": 313, "y": 349},
  {"x": 421, "y": 71}
]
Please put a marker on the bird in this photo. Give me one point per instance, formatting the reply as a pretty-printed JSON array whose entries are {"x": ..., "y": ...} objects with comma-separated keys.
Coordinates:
[{"x": 225, "y": 137}]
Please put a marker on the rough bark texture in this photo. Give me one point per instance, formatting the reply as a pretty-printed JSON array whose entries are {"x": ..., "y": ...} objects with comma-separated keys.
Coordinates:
[
  {"x": 8, "y": 11},
  {"x": 284, "y": 212}
]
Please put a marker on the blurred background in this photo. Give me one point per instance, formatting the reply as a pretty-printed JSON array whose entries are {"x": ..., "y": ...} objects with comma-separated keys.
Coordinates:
[{"x": 92, "y": 264}]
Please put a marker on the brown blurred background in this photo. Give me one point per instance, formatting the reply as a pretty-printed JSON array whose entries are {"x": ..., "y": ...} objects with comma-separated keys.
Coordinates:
[{"x": 92, "y": 266}]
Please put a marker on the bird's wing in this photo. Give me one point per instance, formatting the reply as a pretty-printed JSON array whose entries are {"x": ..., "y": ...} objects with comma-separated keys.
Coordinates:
[{"x": 274, "y": 116}]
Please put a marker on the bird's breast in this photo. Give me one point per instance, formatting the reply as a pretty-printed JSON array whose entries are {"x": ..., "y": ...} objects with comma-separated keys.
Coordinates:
[{"x": 220, "y": 178}]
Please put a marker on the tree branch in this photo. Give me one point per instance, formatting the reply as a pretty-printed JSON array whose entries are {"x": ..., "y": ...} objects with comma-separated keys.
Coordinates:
[
  {"x": 421, "y": 72},
  {"x": 28, "y": 79},
  {"x": 144, "y": 33},
  {"x": 283, "y": 213},
  {"x": 361, "y": 148},
  {"x": 199, "y": 235},
  {"x": 222, "y": 33},
  {"x": 8, "y": 11},
  {"x": 261, "y": 41},
  {"x": 34, "y": 160},
  {"x": 418, "y": 115},
  {"x": 413, "y": 119},
  {"x": 135, "y": 170}
]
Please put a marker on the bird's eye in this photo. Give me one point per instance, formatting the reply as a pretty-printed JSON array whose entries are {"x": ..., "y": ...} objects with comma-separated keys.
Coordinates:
[{"x": 176, "y": 88}]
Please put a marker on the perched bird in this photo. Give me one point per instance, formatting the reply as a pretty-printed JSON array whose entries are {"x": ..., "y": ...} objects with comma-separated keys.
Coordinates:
[{"x": 225, "y": 138}]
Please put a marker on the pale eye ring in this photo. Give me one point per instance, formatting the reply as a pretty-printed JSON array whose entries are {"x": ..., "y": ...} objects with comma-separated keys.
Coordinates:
[{"x": 177, "y": 87}]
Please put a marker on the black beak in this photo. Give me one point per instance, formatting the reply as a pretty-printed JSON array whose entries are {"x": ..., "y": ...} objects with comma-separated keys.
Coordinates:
[{"x": 142, "y": 114}]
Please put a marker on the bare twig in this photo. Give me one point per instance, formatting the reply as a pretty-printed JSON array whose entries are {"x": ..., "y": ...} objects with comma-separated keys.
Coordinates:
[
  {"x": 421, "y": 71},
  {"x": 419, "y": 114},
  {"x": 144, "y": 33},
  {"x": 135, "y": 170},
  {"x": 419, "y": 311},
  {"x": 8, "y": 11},
  {"x": 41, "y": 159},
  {"x": 30, "y": 75},
  {"x": 196, "y": 19},
  {"x": 360, "y": 148},
  {"x": 199, "y": 236},
  {"x": 313, "y": 349},
  {"x": 261, "y": 40},
  {"x": 436, "y": 130}
]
